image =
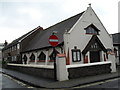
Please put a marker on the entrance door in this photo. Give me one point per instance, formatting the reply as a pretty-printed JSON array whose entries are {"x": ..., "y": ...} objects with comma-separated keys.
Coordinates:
[{"x": 94, "y": 56}]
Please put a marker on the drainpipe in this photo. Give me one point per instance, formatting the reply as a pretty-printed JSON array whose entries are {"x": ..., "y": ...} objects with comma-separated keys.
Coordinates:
[{"x": 46, "y": 61}]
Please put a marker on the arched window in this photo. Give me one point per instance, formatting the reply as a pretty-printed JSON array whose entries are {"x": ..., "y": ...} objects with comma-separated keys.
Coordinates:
[
  {"x": 76, "y": 54},
  {"x": 25, "y": 59},
  {"x": 42, "y": 57},
  {"x": 32, "y": 57},
  {"x": 53, "y": 55},
  {"x": 91, "y": 29}
]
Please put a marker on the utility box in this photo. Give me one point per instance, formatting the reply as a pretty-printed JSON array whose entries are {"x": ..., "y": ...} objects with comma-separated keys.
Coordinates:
[{"x": 62, "y": 73}]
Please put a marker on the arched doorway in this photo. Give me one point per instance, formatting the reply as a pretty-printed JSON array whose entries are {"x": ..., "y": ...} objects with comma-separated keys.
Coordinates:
[
  {"x": 94, "y": 47},
  {"x": 25, "y": 59}
]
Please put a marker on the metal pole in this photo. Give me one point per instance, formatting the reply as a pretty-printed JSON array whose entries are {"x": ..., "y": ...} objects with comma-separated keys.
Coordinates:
[{"x": 54, "y": 57}]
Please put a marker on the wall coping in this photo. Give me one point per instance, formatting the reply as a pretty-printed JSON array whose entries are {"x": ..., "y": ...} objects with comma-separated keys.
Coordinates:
[
  {"x": 34, "y": 66},
  {"x": 67, "y": 66},
  {"x": 88, "y": 64}
]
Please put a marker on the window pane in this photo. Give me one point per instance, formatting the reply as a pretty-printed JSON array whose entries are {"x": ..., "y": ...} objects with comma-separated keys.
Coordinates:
[
  {"x": 87, "y": 31},
  {"x": 91, "y": 30},
  {"x": 42, "y": 56},
  {"x": 74, "y": 56},
  {"x": 78, "y": 55}
]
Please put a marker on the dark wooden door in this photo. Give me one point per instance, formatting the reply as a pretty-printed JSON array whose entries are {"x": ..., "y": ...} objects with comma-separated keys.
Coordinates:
[{"x": 94, "y": 56}]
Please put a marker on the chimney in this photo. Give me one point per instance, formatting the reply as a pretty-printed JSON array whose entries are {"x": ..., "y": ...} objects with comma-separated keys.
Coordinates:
[
  {"x": 89, "y": 4},
  {"x": 6, "y": 43},
  {"x": 40, "y": 28}
]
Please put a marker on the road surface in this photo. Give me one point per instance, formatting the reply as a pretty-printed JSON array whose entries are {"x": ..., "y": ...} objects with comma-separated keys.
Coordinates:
[
  {"x": 107, "y": 84},
  {"x": 8, "y": 82}
]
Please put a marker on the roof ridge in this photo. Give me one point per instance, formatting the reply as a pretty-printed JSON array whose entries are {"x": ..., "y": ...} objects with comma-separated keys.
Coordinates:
[
  {"x": 116, "y": 33},
  {"x": 19, "y": 38},
  {"x": 64, "y": 20}
]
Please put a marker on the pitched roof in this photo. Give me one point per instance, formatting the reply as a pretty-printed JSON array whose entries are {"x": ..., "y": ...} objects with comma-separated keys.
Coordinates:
[
  {"x": 14, "y": 42},
  {"x": 41, "y": 39},
  {"x": 93, "y": 40},
  {"x": 116, "y": 38}
]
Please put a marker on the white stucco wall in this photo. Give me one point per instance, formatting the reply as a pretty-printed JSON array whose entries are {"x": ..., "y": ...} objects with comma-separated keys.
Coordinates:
[{"x": 77, "y": 35}]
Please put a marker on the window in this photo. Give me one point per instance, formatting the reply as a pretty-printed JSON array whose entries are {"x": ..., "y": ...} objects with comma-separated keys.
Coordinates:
[
  {"x": 42, "y": 57},
  {"x": 76, "y": 55},
  {"x": 32, "y": 57},
  {"x": 53, "y": 54},
  {"x": 91, "y": 29},
  {"x": 94, "y": 46}
]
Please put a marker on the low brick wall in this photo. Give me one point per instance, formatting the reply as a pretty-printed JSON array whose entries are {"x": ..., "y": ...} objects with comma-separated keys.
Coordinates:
[
  {"x": 74, "y": 72},
  {"x": 78, "y": 72},
  {"x": 35, "y": 71}
]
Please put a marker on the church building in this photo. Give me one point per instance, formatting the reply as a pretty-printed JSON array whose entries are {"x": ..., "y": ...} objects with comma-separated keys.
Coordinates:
[{"x": 82, "y": 38}]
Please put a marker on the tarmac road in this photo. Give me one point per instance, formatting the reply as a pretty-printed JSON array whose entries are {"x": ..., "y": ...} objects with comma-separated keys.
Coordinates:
[
  {"x": 113, "y": 83},
  {"x": 107, "y": 84},
  {"x": 8, "y": 82}
]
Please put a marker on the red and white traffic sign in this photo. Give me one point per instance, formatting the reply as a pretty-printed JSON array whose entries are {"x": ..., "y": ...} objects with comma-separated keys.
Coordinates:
[{"x": 53, "y": 40}]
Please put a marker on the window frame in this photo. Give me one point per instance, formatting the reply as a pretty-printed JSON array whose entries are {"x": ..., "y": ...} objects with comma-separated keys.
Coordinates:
[
  {"x": 92, "y": 30},
  {"x": 77, "y": 54},
  {"x": 31, "y": 58},
  {"x": 42, "y": 53}
]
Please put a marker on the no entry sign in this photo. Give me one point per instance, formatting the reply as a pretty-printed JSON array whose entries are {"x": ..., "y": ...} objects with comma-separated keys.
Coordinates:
[{"x": 53, "y": 40}]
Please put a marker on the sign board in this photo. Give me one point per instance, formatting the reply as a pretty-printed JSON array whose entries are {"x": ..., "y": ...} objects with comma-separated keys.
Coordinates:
[{"x": 53, "y": 40}]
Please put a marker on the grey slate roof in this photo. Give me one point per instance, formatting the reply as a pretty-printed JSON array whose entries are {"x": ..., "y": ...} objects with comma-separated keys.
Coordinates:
[
  {"x": 16, "y": 41},
  {"x": 116, "y": 38},
  {"x": 41, "y": 39}
]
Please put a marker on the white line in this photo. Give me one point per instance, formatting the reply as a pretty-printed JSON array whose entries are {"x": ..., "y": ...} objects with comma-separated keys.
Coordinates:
[
  {"x": 97, "y": 83},
  {"x": 18, "y": 82},
  {"x": 53, "y": 40}
]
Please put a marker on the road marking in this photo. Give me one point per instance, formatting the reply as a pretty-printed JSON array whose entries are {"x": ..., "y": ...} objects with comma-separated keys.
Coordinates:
[
  {"x": 97, "y": 83},
  {"x": 30, "y": 87},
  {"x": 18, "y": 82}
]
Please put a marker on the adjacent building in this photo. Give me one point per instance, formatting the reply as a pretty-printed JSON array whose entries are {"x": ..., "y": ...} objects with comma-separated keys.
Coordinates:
[
  {"x": 116, "y": 44},
  {"x": 1, "y": 47},
  {"x": 82, "y": 38},
  {"x": 12, "y": 52}
]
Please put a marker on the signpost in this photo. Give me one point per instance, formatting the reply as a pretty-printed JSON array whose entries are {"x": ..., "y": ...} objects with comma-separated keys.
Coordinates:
[{"x": 53, "y": 41}]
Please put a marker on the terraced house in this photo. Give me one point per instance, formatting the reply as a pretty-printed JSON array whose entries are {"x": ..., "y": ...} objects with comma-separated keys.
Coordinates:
[
  {"x": 12, "y": 51},
  {"x": 82, "y": 38}
]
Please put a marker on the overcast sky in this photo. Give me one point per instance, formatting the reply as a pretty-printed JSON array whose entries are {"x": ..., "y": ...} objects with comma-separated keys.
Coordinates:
[{"x": 18, "y": 17}]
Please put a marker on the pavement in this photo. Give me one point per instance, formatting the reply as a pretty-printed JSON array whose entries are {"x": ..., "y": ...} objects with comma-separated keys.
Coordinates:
[{"x": 51, "y": 84}]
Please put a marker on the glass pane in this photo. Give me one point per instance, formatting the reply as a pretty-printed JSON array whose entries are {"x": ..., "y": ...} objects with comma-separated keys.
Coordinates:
[
  {"x": 78, "y": 55},
  {"x": 91, "y": 30},
  {"x": 74, "y": 56}
]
